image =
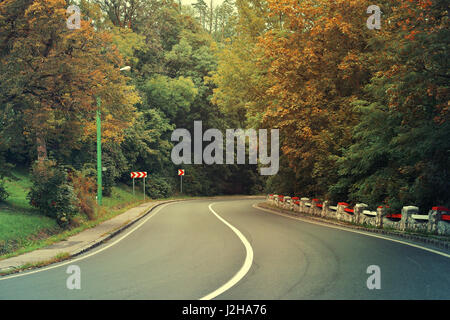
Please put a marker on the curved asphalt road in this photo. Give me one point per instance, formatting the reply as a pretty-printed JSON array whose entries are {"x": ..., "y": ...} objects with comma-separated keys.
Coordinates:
[{"x": 184, "y": 251}]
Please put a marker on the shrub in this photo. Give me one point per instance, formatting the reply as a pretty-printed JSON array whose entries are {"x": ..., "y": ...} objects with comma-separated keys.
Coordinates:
[
  {"x": 158, "y": 188},
  {"x": 3, "y": 193},
  {"x": 51, "y": 192},
  {"x": 85, "y": 189}
]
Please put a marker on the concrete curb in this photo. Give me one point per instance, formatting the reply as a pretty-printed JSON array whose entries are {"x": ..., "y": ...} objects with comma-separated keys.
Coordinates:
[{"x": 440, "y": 244}]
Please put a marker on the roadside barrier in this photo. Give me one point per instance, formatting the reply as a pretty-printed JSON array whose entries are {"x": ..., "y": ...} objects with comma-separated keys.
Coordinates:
[{"x": 437, "y": 221}]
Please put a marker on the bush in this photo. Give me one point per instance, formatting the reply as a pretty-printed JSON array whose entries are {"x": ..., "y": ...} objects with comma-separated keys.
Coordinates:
[
  {"x": 157, "y": 188},
  {"x": 3, "y": 193},
  {"x": 85, "y": 190},
  {"x": 51, "y": 192}
]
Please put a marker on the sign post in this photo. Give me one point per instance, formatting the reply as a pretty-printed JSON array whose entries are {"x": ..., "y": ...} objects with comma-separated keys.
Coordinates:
[
  {"x": 99, "y": 153},
  {"x": 181, "y": 174},
  {"x": 139, "y": 175}
]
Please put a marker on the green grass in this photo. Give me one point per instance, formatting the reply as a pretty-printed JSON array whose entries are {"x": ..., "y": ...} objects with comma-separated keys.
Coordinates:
[
  {"x": 17, "y": 186},
  {"x": 122, "y": 194},
  {"x": 20, "y": 224},
  {"x": 24, "y": 229}
]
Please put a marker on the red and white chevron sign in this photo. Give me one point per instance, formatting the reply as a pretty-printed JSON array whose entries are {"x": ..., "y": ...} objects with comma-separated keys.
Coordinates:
[
  {"x": 181, "y": 172},
  {"x": 138, "y": 175}
]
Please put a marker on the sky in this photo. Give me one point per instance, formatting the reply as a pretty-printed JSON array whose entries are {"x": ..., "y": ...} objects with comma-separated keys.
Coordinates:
[{"x": 215, "y": 2}]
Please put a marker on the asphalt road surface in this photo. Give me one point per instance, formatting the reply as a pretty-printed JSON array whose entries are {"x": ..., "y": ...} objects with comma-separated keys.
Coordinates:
[{"x": 230, "y": 250}]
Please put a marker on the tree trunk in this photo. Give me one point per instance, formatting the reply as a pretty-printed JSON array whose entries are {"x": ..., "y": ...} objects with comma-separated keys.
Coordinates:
[
  {"x": 41, "y": 147},
  {"x": 211, "y": 18}
]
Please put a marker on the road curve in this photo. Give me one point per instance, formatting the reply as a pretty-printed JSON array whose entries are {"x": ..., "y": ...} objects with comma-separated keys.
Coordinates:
[{"x": 230, "y": 250}]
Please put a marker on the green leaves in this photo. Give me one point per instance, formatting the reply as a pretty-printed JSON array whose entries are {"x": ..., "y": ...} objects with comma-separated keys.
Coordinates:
[
  {"x": 51, "y": 192},
  {"x": 400, "y": 152},
  {"x": 172, "y": 96},
  {"x": 128, "y": 42}
]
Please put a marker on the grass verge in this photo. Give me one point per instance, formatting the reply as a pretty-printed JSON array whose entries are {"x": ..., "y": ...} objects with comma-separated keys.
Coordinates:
[
  {"x": 24, "y": 229},
  {"x": 28, "y": 266}
]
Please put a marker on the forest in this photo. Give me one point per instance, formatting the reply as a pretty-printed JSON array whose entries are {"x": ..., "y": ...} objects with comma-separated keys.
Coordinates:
[{"x": 362, "y": 112}]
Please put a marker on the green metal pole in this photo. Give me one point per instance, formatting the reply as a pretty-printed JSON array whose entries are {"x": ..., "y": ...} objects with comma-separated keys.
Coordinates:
[{"x": 99, "y": 153}]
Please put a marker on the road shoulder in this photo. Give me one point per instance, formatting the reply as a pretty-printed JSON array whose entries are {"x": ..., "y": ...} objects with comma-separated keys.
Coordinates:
[{"x": 426, "y": 243}]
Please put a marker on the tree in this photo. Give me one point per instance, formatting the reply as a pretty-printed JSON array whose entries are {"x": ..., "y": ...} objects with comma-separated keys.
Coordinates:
[
  {"x": 202, "y": 9},
  {"x": 51, "y": 76},
  {"x": 316, "y": 71},
  {"x": 173, "y": 97},
  {"x": 400, "y": 153},
  {"x": 124, "y": 13},
  {"x": 225, "y": 21},
  {"x": 241, "y": 79}
]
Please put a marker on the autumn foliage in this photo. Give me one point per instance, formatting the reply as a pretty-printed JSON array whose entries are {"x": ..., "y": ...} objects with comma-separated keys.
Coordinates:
[
  {"x": 363, "y": 113},
  {"x": 51, "y": 75}
]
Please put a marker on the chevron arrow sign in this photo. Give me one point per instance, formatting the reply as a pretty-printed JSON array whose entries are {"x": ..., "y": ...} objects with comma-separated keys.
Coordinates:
[{"x": 138, "y": 175}]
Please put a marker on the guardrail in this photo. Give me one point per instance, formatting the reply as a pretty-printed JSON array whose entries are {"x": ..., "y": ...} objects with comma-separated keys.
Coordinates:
[
  {"x": 370, "y": 213},
  {"x": 437, "y": 221}
]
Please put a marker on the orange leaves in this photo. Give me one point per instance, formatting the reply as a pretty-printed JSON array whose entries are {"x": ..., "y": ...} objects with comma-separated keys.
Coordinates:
[
  {"x": 414, "y": 17},
  {"x": 411, "y": 35},
  {"x": 316, "y": 70},
  {"x": 350, "y": 66},
  {"x": 61, "y": 71}
]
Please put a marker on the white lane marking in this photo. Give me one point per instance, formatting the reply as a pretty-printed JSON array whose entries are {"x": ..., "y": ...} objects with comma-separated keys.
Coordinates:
[
  {"x": 245, "y": 267},
  {"x": 355, "y": 231},
  {"x": 71, "y": 261}
]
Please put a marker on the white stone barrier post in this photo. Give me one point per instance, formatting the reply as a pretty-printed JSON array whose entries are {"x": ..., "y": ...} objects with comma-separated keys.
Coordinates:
[
  {"x": 358, "y": 212},
  {"x": 303, "y": 207},
  {"x": 405, "y": 221}
]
